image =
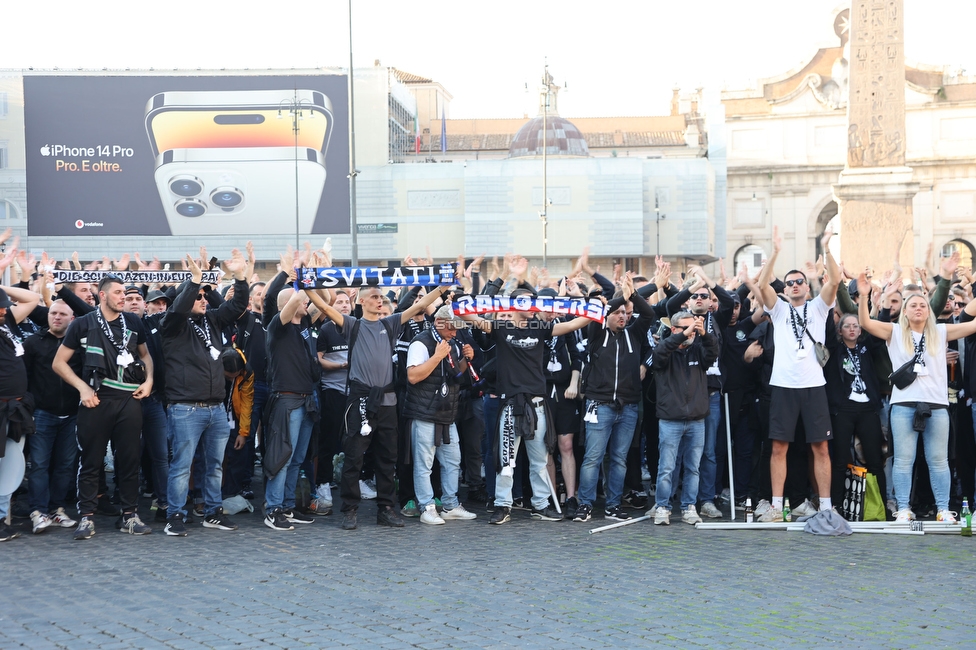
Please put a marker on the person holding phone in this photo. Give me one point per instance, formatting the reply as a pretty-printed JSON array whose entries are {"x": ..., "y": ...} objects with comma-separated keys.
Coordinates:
[{"x": 680, "y": 363}]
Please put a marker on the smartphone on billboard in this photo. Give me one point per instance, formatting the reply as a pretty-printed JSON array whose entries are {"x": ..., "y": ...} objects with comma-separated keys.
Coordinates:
[
  {"x": 244, "y": 118},
  {"x": 239, "y": 190},
  {"x": 229, "y": 160}
]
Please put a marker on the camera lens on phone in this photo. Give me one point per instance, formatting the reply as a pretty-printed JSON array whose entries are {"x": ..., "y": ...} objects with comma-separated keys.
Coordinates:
[
  {"x": 226, "y": 198},
  {"x": 185, "y": 186},
  {"x": 191, "y": 208}
]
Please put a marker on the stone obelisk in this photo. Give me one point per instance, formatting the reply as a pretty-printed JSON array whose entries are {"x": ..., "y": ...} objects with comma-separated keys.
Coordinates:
[{"x": 874, "y": 192}]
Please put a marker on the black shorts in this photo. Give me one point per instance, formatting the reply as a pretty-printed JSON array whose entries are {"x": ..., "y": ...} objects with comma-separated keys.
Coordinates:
[
  {"x": 565, "y": 413},
  {"x": 788, "y": 405}
]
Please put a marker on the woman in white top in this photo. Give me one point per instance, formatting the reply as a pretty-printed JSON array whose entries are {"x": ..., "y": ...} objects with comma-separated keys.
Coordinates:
[{"x": 916, "y": 337}]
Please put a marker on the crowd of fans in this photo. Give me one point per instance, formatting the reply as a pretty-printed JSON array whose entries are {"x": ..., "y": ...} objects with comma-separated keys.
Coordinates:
[{"x": 121, "y": 395}]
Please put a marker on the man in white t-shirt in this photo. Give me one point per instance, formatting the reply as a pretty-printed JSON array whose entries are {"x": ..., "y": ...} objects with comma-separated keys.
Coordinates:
[
  {"x": 797, "y": 381},
  {"x": 436, "y": 366}
]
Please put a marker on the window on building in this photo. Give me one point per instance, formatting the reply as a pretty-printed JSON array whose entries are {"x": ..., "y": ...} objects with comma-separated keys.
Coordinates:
[
  {"x": 964, "y": 248},
  {"x": 753, "y": 256}
]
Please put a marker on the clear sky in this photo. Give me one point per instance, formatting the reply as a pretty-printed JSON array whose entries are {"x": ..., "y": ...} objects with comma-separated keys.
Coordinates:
[{"x": 619, "y": 57}]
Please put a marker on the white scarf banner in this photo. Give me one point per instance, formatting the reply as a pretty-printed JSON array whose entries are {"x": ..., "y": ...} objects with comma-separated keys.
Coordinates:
[
  {"x": 135, "y": 277},
  {"x": 594, "y": 309},
  {"x": 375, "y": 276}
]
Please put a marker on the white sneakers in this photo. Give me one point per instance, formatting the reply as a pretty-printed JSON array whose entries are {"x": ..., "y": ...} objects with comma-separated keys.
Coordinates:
[
  {"x": 366, "y": 490},
  {"x": 805, "y": 509},
  {"x": 945, "y": 516},
  {"x": 710, "y": 511},
  {"x": 61, "y": 518},
  {"x": 458, "y": 513},
  {"x": 662, "y": 516},
  {"x": 771, "y": 514},
  {"x": 904, "y": 516},
  {"x": 40, "y": 521},
  {"x": 430, "y": 516},
  {"x": 690, "y": 515}
]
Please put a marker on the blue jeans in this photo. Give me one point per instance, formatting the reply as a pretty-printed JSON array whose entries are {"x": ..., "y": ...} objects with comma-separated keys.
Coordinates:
[
  {"x": 449, "y": 456},
  {"x": 5, "y": 498},
  {"x": 536, "y": 450},
  {"x": 707, "y": 468},
  {"x": 155, "y": 439},
  {"x": 54, "y": 460},
  {"x": 279, "y": 492},
  {"x": 689, "y": 434},
  {"x": 935, "y": 440},
  {"x": 188, "y": 425},
  {"x": 613, "y": 427}
]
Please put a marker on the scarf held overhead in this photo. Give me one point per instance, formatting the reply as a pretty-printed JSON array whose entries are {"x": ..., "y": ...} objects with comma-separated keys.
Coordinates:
[
  {"x": 593, "y": 308},
  {"x": 135, "y": 277},
  {"x": 375, "y": 276}
]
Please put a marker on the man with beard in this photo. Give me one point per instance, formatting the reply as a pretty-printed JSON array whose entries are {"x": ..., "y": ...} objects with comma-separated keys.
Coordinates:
[
  {"x": 110, "y": 387},
  {"x": 195, "y": 392},
  {"x": 54, "y": 445}
]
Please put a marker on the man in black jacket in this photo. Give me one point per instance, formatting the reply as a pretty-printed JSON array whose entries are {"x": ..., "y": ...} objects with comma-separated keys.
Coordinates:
[
  {"x": 680, "y": 363},
  {"x": 54, "y": 445},
  {"x": 434, "y": 371},
  {"x": 195, "y": 393},
  {"x": 613, "y": 392}
]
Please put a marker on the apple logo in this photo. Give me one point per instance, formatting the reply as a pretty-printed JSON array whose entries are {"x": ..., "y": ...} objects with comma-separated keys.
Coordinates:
[
  {"x": 79, "y": 224},
  {"x": 46, "y": 150}
]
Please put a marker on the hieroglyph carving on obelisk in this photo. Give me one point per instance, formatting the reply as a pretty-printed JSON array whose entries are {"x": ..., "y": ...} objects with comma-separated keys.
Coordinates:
[
  {"x": 874, "y": 192},
  {"x": 876, "y": 109}
]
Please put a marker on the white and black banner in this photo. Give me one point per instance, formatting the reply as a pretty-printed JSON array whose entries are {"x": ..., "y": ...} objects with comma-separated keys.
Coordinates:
[
  {"x": 593, "y": 308},
  {"x": 375, "y": 276},
  {"x": 135, "y": 277}
]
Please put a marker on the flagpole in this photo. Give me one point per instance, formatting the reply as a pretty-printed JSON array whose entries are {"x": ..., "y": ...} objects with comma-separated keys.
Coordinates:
[{"x": 353, "y": 227}]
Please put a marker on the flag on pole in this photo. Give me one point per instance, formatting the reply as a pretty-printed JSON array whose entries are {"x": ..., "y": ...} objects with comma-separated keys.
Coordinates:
[
  {"x": 416, "y": 135},
  {"x": 443, "y": 132}
]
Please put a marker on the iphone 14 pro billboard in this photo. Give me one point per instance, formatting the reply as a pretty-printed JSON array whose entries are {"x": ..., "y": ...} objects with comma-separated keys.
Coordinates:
[{"x": 186, "y": 155}]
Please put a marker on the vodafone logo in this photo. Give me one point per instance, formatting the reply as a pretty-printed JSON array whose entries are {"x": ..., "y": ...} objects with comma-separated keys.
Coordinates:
[{"x": 79, "y": 224}]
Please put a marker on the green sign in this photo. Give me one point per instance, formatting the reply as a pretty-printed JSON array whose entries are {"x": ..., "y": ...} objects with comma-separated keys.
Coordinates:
[{"x": 373, "y": 228}]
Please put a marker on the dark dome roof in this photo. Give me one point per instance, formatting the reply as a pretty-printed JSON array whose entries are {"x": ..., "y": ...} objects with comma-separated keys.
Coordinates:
[{"x": 563, "y": 139}]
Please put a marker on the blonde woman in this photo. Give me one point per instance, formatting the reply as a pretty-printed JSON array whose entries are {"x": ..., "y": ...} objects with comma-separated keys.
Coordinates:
[{"x": 920, "y": 407}]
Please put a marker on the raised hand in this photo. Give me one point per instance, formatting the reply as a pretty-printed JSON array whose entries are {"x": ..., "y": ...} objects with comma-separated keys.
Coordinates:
[
  {"x": 196, "y": 273},
  {"x": 777, "y": 240},
  {"x": 949, "y": 265},
  {"x": 122, "y": 264},
  {"x": 863, "y": 285}
]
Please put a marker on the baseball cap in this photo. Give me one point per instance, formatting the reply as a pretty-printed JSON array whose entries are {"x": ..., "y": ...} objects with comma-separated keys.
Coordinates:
[
  {"x": 132, "y": 289},
  {"x": 157, "y": 295},
  {"x": 5, "y": 300}
]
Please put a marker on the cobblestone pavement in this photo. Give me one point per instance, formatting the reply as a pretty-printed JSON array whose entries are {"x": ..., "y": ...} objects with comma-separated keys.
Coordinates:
[{"x": 527, "y": 584}]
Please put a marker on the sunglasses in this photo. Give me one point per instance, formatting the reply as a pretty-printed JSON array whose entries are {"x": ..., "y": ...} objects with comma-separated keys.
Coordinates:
[
  {"x": 799, "y": 282},
  {"x": 700, "y": 296},
  {"x": 201, "y": 296}
]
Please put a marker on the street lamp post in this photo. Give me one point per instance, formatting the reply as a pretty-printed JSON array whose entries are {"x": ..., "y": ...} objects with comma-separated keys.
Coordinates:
[
  {"x": 353, "y": 172},
  {"x": 544, "y": 213},
  {"x": 296, "y": 110},
  {"x": 657, "y": 221}
]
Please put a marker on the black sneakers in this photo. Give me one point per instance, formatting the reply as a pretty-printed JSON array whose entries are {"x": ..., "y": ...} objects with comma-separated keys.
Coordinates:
[
  {"x": 547, "y": 514},
  {"x": 636, "y": 500},
  {"x": 275, "y": 520},
  {"x": 174, "y": 526},
  {"x": 7, "y": 533},
  {"x": 85, "y": 530},
  {"x": 389, "y": 517},
  {"x": 295, "y": 517},
  {"x": 571, "y": 507},
  {"x": 219, "y": 520},
  {"x": 502, "y": 515},
  {"x": 349, "y": 520},
  {"x": 583, "y": 512},
  {"x": 616, "y": 513},
  {"x": 131, "y": 524}
]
